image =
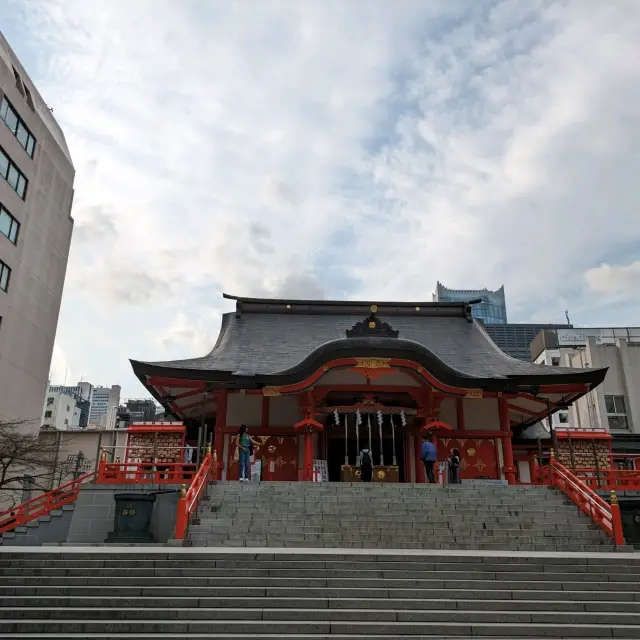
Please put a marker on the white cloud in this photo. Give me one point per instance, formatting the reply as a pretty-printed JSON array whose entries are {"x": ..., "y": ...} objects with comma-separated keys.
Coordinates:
[
  {"x": 326, "y": 149},
  {"x": 610, "y": 280}
]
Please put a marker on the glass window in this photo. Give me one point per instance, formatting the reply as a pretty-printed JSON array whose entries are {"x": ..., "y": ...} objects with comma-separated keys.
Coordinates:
[
  {"x": 17, "y": 127},
  {"x": 8, "y": 225},
  {"x": 4, "y": 165},
  {"x": 5, "y": 274},
  {"x": 22, "y": 134},
  {"x": 22, "y": 186},
  {"x": 616, "y": 412},
  {"x": 11, "y": 120},
  {"x": 47, "y": 414},
  {"x": 12, "y": 176},
  {"x": 31, "y": 145}
]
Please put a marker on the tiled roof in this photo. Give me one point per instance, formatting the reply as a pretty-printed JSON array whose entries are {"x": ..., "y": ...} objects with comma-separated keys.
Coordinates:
[{"x": 273, "y": 343}]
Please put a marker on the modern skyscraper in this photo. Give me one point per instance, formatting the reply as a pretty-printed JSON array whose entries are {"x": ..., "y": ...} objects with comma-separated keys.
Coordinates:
[
  {"x": 104, "y": 406},
  {"x": 36, "y": 192},
  {"x": 492, "y": 309}
]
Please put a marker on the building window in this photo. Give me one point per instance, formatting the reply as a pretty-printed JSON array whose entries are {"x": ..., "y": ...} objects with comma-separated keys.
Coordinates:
[
  {"x": 48, "y": 414},
  {"x": 10, "y": 172},
  {"x": 50, "y": 401},
  {"x": 555, "y": 361},
  {"x": 17, "y": 126},
  {"x": 5, "y": 276},
  {"x": 563, "y": 417},
  {"x": 9, "y": 226},
  {"x": 616, "y": 412}
]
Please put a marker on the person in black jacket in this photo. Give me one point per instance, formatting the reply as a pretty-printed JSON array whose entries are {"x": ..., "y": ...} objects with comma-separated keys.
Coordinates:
[{"x": 454, "y": 467}]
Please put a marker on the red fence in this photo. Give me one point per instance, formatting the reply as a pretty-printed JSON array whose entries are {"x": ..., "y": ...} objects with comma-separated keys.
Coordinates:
[
  {"x": 42, "y": 505},
  {"x": 607, "y": 479},
  {"x": 145, "y": 473},
  {"x": 606, "y": 516},
  {"x": 188, "y": 502}
]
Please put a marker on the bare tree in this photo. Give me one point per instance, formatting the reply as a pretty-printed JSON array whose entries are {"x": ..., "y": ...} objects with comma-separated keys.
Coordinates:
[{"x": 23, "y": 455}]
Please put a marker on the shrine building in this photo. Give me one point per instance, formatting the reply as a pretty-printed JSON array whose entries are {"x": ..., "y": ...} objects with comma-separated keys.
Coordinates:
[{"x": 318, "y": 380}]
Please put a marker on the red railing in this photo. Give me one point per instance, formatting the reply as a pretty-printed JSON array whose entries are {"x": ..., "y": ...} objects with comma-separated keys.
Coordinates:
[
  {"x": 188, "y": 502},
  {"x": 605, "y": 515},
  {"x": 145, "y": 472},
  {"x": 616, "y": 479},
  {"x": 42, "y": 505}
]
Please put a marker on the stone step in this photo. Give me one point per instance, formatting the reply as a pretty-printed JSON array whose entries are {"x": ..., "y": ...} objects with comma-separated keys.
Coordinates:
[
  {"x": 31, "y": 603},
  {"x": 405, "y": 574},
  {"x": 377, "y": 593},
  {"x": 328, "y": 628},
  {"x": 359, "y": 615}
]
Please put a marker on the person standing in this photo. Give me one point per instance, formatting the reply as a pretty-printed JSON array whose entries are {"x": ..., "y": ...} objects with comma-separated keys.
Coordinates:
[
  {"x": 428, "y": 455},
  {"x": 366, "y": 466},
  {"x": 454, "y": 467},
  {"x": 245, "y": 446}
]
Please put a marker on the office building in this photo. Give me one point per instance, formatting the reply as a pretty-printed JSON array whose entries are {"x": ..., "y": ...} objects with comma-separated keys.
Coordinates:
[
  {"x": 36, "y": 193},
  {"x": 615, "y": 404},
  {"x": 104, "y": 407},
  {"x": 83, "y": 394},
  {"x": 62, "y": 411},
  {"x": 515, "y": 338},
  {"x": 491, "y": 310}
]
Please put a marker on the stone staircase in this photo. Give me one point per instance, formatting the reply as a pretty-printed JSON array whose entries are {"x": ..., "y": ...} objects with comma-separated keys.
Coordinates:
[
  {"x": 316, "y": 594},
  {"x": 394, "y": 516}
]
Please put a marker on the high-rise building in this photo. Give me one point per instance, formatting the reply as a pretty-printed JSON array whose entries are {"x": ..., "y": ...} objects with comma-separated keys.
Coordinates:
[
  {"x": 104, "y": 406},
  {"x": 515, "y": 338},
  {"x": 36, "y": 193},
  {"x": 492, "y": 308}
]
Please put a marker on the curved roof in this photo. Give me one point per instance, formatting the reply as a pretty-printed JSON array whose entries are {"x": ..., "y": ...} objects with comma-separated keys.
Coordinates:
[{"x": 283, "y": 341}]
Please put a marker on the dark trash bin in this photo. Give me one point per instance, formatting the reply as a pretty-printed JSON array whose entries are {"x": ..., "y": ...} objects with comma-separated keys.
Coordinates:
[{"x": 133, "y": 518}]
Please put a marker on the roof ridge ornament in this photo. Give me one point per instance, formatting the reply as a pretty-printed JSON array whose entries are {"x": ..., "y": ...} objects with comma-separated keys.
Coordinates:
[{"x": 372, "y": 327}]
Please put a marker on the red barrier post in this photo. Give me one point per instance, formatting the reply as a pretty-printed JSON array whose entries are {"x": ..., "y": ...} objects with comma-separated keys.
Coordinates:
[{"x": 616, "y": 519}]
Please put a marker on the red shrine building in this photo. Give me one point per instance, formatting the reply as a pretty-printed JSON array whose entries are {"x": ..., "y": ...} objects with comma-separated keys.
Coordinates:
[{"x": 318, "y": 381}]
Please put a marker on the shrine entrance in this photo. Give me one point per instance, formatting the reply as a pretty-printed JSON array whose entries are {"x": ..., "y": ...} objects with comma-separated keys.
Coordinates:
[{"x": 343, "y": 453}]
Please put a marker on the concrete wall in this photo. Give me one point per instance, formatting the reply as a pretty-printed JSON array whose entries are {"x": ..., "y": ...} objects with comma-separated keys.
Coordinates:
[
  {"x": 30, "y": 308},
  {"x": 94, "y": 515},
  {"x": 51, "y": 529}
]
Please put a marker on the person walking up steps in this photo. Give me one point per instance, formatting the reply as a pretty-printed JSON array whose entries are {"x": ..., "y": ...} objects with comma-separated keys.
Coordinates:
[{"x": 428, "y": 455}]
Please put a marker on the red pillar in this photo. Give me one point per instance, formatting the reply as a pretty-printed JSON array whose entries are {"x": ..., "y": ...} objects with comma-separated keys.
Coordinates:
[
  {"x": 307, "y": 473},
  {"x": 421, "y": 475},
  {"x": 507, "y": 450},
  {"x": 218, "y": 432}
]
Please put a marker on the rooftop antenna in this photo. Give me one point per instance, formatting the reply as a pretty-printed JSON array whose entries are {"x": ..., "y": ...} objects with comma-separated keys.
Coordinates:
[{"x": 566, "y": 315}]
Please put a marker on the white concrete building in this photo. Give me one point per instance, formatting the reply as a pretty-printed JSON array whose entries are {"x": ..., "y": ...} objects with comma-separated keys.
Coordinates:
[
  {"x": 61, "y": 411},
  {"x": 615, "y": 404},
  {"x": 104, "y": 407},
  {"x": 36, "y": 192}
]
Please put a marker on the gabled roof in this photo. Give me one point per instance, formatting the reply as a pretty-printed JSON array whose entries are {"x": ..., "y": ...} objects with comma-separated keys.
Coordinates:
[{"x": 268, "y": 342}]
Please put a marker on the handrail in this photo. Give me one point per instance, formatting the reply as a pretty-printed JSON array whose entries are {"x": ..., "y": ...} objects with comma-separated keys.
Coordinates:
[
  {"x": 606, "y": 516},
  {"x": 188, "y": 502},
  {"x": 618, "y": 479},
  {"x": 145, "y": 472},
  {"x": 43, "y": 504}
]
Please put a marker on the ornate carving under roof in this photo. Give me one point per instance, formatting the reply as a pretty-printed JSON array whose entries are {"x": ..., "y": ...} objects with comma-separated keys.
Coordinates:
[{"x": 372, "y": 327}]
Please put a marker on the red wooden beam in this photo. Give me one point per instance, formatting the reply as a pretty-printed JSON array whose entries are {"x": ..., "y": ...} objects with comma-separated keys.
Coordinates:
[{"x": 176, "y": 382}]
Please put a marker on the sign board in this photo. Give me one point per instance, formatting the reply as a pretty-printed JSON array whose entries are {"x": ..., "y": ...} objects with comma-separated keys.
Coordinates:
[{"x": 580, "y": 337}]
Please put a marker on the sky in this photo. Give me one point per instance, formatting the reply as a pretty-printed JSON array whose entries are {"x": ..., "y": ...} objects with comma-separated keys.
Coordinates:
[{"x": 339, "y": 150}]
